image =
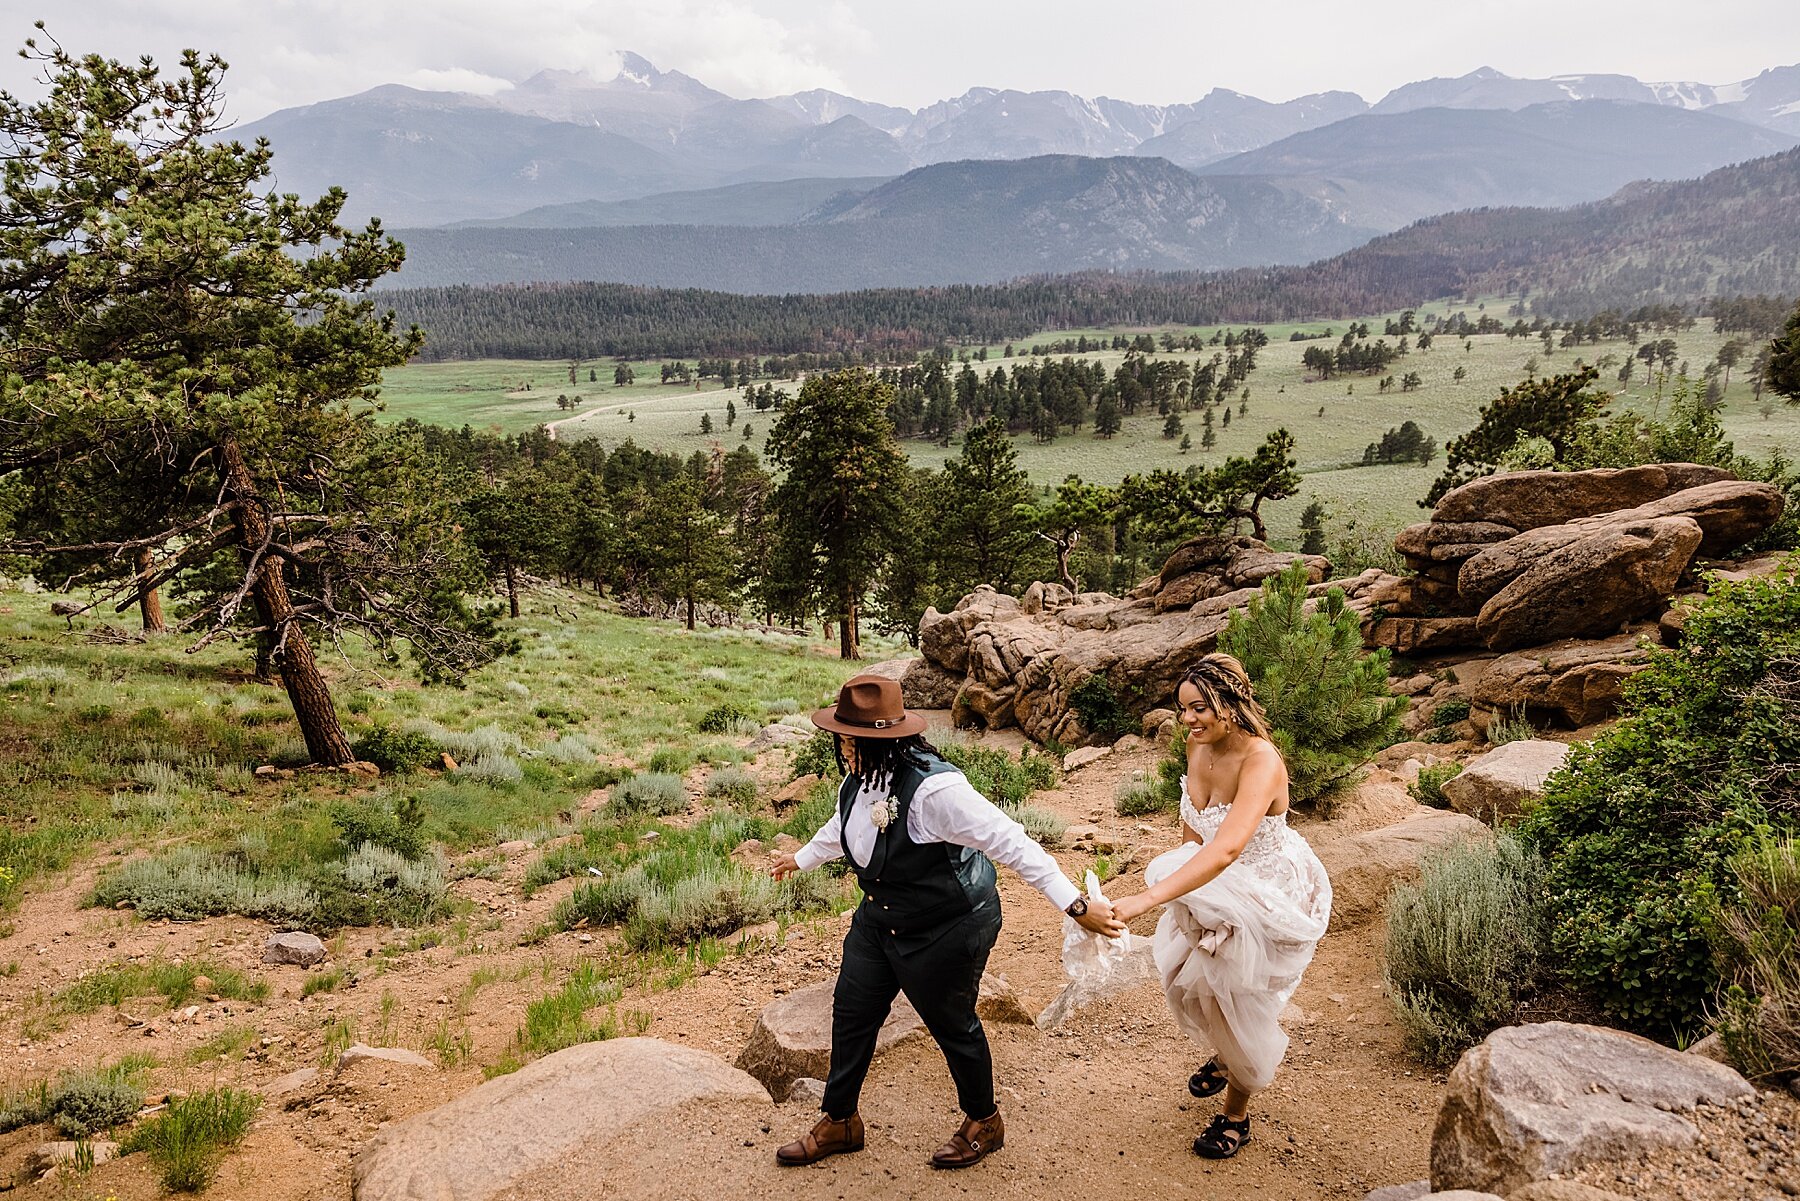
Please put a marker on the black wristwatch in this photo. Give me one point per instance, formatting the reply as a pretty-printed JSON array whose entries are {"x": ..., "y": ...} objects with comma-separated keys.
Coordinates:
[{"x": 1077, "y": 907}]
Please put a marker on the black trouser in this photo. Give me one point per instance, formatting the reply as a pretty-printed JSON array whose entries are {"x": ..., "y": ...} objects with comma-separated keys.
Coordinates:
[{"x": 942, "y": 980}]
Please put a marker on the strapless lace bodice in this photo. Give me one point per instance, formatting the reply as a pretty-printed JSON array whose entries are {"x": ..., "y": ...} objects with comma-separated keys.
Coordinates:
[{"x": 1267, "y": 843}]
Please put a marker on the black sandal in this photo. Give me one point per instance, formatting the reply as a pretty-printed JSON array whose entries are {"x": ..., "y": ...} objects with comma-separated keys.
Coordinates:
[
  {"x": 1217, "y": 1141},
  {"x": 1209, "y": 1081}
]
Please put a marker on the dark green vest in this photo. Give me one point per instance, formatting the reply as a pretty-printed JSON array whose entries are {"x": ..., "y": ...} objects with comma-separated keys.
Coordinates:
[{"x": 911, "y": 889}]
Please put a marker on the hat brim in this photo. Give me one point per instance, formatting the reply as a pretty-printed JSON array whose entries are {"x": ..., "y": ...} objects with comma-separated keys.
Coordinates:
[{"x": 908, "y": 725}]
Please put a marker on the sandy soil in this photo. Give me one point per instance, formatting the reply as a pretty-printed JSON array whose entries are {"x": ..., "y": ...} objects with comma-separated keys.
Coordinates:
[{"x": 1099, "y": 1108}]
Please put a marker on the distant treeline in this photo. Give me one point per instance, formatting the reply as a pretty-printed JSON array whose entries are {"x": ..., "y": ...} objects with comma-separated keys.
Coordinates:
[{"x": 1735, "y": 232}]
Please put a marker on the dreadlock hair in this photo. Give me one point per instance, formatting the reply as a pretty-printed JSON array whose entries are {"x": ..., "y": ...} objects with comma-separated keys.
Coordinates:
[
  {"x": 878, "y": 758},
  {"x": 1224, "y": 686}
]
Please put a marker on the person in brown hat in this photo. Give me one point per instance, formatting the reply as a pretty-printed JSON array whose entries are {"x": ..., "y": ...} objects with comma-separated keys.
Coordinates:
[{"x": 920, "y": 840}]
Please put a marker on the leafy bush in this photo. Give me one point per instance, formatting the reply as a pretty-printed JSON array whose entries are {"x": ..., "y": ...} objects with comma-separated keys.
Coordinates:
[
  {"x": 1440, "y": 735},
  {"x": 655, "y": 793},
  {"x": 735, "y": 785},
  {"x": 817, "y": 756},
  {"x": 721, "y": 719},
  {"x": 559, "y": 715},
  {"x": 1140, "y": 796},
  {"x": 1642, "y": 824},
  {"x": 717, "y": 899},
  {"x": 1464, "y": 945},
  {"x": 1450, "y": 712},
  {"x": 186, "y": 1140},
  {"x": 492, "y": 768},
  {"x": 391, "y": 749},
  {"x": 1328, "y": 702},
  {"x": 1757, "y": 932},
  {"x": 671, "y": 760},
  {"x": 1044, "y": 825},
  {"x": 399, "y": 827},
  {"x": 570, "y": 748},
  {"x": 1428, "y": 789},
  {"x": 1100, "y": 709},
  {"x": 80, "y": 1103},
  {"x": 394, "y": 888},
  {"x": 1002, "y": 779}
]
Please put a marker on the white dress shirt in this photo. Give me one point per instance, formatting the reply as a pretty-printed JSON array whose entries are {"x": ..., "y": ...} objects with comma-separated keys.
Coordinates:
[{"x": 946, "y": 808}]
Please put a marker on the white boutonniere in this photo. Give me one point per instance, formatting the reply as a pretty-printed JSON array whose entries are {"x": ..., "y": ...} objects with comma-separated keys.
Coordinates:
[{"x": 881, "y": 812}]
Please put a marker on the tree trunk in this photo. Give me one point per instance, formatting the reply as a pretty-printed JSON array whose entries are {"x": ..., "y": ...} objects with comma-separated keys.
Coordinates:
[
  {"x": 847, "y": 648},
  {"x": 149, "y": 600},
  {"x": 690, "y": 611},
  {"x": 1063, "y": 550},
  {"x": 512, "y": 586},
  {"x": 292, "y": 654}
]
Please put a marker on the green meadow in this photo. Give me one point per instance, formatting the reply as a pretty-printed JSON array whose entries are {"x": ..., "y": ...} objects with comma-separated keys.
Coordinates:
[{"x": 1332, "y": 420}]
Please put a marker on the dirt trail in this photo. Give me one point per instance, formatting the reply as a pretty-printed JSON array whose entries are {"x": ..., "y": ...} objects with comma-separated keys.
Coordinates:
[{"x": 1097, "y": 1109}]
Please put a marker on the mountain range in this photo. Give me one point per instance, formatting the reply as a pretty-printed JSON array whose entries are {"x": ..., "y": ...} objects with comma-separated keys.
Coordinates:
[{"x": 421, "y": 158}]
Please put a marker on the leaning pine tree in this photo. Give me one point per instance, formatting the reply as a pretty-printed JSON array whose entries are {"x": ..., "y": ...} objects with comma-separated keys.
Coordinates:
[
  {"x": 186, "y": 375},
  {"x": 1327, "y": 699}
]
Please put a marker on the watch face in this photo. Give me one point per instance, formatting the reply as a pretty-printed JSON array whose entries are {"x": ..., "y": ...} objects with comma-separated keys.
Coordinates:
[{"x": 1078, "y": 907}]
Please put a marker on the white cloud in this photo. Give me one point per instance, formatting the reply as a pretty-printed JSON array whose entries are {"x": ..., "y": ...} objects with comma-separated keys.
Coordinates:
[{"x": 288, "y": 52}]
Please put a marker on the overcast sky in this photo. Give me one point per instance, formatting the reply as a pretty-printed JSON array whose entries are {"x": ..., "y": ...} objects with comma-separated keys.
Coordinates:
[{"x": 289, "y": 52}]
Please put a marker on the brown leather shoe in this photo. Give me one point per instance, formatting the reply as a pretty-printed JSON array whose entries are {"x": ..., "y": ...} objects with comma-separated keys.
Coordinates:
[
  {"x": 972, "y": 1142},
  {"x": 828, "y": 1137}
]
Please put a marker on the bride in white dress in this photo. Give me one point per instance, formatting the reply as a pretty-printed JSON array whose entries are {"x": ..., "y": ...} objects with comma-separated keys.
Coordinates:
[{"x": 1247, "y": 900}]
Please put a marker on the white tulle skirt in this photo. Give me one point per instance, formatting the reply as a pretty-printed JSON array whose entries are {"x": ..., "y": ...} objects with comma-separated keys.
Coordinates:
[{"x": 1232, "y": 951}]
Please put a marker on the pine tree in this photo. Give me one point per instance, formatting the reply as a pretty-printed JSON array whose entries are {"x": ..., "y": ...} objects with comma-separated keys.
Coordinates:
[
  {"x": 1328, "y": 701},
  {"x": 1312, "y": 528}
]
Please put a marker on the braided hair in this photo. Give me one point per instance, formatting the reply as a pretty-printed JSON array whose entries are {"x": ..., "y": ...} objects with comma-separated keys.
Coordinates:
[
  {"x": 878, "y": 758},
  {"x": 1224, "y": 686}
]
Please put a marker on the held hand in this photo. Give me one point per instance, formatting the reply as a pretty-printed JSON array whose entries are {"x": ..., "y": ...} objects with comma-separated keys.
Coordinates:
[
  {"x": 1100, "y": 919},
  {"x": 783, "y": 866},
  {"x": 1126, "y": 908}
]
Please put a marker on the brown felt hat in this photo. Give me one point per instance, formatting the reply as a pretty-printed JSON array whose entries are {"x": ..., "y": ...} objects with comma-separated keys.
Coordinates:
[{"x": 869, "y": 706}]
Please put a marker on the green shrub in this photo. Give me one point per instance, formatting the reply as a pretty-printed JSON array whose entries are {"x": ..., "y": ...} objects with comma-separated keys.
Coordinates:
[
  {"x": 654, "y": 793},
  {"x": 570, "y": 748},
  {"x": 670, "y": 760},
  {"x": 817, "y": 756},
  {"x": 732, "y": 784},
  {"x": 174, "y": 982},
  {"x": 1440, "y": 735},
  {"x": 186, "y": 1140},
  {"x": 1512, "y": 728},
  {"x": 1428, "y": 789},
  {"x": 998, "y": 776},
  {"x": 725, "y": 718},
  {"x": 559, "y": 715},
  {"x": 400, "y": 827},
  {"x": 1756, "y": 929},
  {"x": 1140, "y": 796},
  {"x": 83, "y": 1102},
  {"x": 1450, "y": 712},
  {"x": 559, "y": 1019},
  {"x": 1464, "y": 945},
  {"x": 1100, "y": 709},
  {"x": 395, "y": 750},
  {"x": 492, "y": 768},
  {"x": 1328, "y": 702},
  {"x": 716, "y": 899},
  {"x": 187, "y": 884},
  {"x": 1044, "y": 825},
  {"x": 1643, "y": 823}
]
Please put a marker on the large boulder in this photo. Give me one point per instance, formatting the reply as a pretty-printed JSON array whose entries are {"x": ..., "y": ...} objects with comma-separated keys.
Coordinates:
[
  {"x": 1420, "y": 635},
  {"x": 1573, "y": 683},
  {"x": 1526, "y": 500},
  {"x": 1365, "y": 867},
  {"x": 294, "y": 946},
  {"x": 1541, "y": 1100},
  {"x": 504, "y": 1137},
  {"x": 1503, "y": 782},
  {"x": 1589, "y": 588},
  {"x": 792, "y": 1038},
  {"x": 926, "y": 685}
]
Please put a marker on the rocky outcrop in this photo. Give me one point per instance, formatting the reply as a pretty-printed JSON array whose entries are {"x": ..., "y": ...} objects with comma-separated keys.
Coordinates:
[
  {"x": 578, "y": 1104},
  {"x": 1526, "y": 500},
  {"x": 1019, "y": 662},
  {"x": 1503, "y": 782},
  {"x": 1536, "y": 1101},
  {"x": 1571, "y": 683},
  {"x": 1365, "y": 867},
  {"x": 1534, "y": 556}
]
